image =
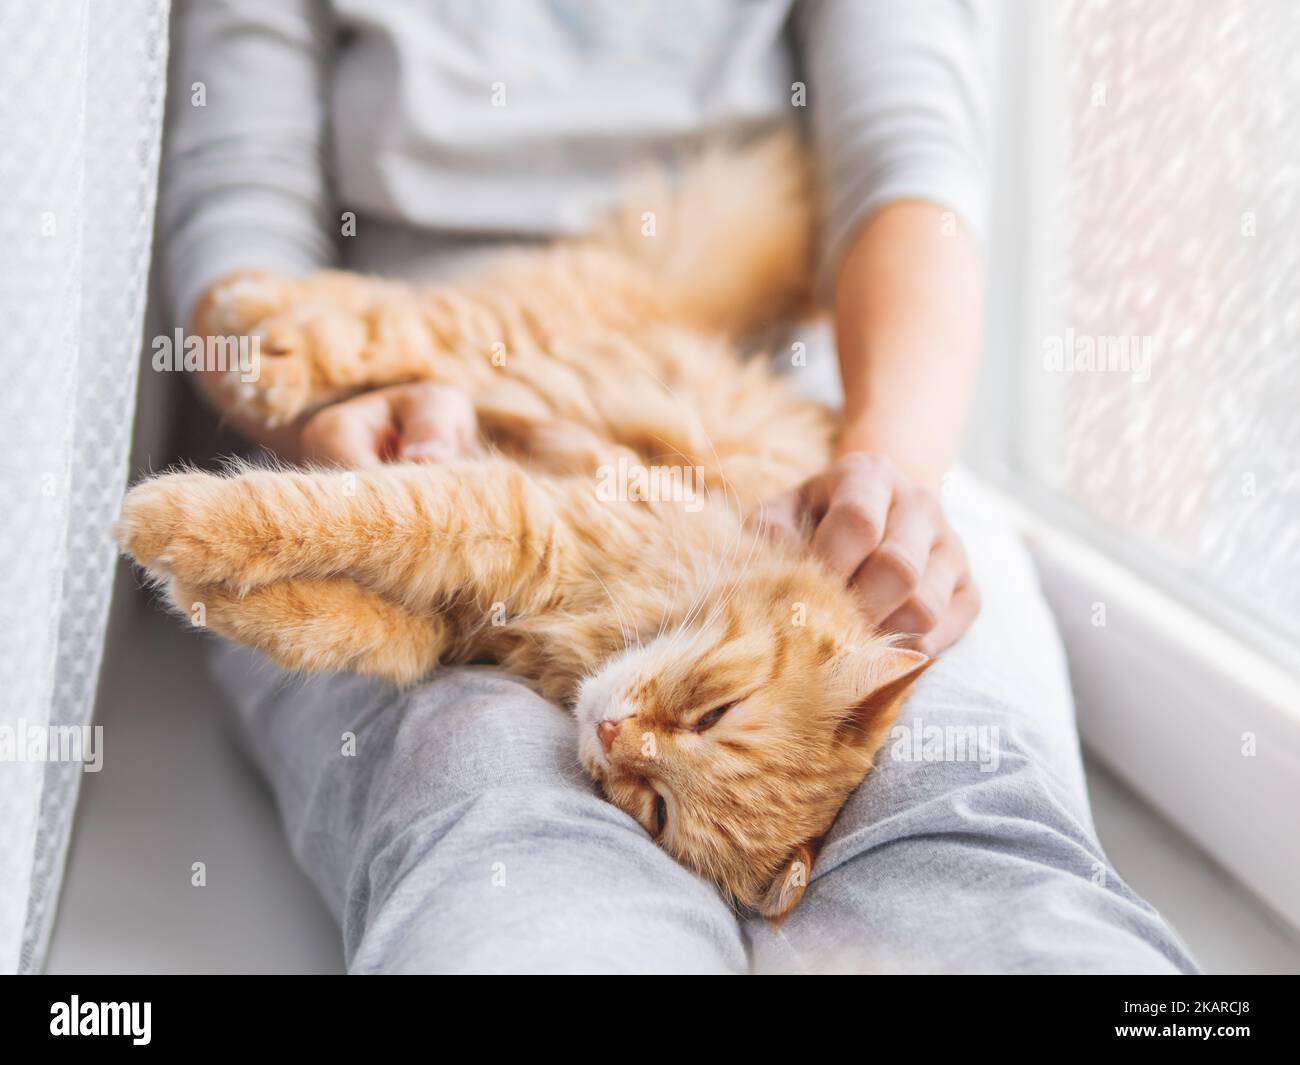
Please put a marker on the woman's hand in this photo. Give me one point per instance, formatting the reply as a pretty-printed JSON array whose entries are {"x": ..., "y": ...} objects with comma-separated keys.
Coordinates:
[
  {"x": 420, "y": 422},
  {"x": 887, "y": 537}
]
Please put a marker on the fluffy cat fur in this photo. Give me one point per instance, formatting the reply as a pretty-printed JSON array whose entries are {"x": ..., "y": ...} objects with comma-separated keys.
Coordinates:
[{"x": 728, "y": 695}]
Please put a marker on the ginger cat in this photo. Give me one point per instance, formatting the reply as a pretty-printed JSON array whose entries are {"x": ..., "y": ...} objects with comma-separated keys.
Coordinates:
[{"x": 728, "y": 695}]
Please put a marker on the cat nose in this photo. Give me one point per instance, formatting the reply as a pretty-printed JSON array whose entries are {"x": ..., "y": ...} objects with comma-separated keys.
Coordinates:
[{"x": 606, "y": 731}]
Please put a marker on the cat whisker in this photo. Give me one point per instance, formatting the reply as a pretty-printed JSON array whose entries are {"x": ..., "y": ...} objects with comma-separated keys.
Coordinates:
[{"x": 624, "y": 629}]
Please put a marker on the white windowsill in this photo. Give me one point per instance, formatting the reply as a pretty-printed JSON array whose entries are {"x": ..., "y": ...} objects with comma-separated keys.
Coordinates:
[{"x": 1167, "y": 700}]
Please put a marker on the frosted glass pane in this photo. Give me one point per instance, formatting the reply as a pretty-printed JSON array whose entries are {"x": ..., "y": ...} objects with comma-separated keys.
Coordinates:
[{"x": 1181, "y": 245}]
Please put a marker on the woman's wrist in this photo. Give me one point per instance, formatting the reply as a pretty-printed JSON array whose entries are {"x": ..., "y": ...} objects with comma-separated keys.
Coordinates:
[{"x": 917, "y": 453}]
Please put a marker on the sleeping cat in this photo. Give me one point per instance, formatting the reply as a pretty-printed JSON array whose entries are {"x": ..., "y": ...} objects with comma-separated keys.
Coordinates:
[{"x": 728, "y": 694}]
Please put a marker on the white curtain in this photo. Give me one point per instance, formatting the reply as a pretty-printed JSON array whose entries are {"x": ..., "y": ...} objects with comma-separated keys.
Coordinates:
[{"x": 81, "y": 107}]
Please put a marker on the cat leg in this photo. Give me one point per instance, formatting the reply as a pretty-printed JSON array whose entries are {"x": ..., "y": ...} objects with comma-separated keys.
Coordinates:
[
  {"x": 319, "y": 338},
  {"x": 331, "y": 625},
  {"x": 480, "y": 532}
]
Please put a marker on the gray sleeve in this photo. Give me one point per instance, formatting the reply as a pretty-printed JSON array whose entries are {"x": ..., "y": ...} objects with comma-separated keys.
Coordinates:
[
  {"x": 245, "y": 181},
  {"x": 898, "y": 96}
]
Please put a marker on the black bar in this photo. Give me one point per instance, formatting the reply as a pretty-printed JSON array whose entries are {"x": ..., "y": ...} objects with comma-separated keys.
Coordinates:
[{"x": 334, "y": 1014}]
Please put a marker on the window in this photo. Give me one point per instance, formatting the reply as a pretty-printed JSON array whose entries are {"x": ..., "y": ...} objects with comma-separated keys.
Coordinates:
[{"x": 1142, "y": 404}]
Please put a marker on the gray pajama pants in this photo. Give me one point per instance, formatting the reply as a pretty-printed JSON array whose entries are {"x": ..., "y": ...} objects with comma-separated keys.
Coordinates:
[{"x": 450, "y": 827}]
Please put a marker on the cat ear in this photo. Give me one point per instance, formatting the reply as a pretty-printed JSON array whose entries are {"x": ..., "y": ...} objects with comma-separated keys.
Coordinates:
[
  {"x": 882, "y": 686},
  {"x": 788, "y": 886}
]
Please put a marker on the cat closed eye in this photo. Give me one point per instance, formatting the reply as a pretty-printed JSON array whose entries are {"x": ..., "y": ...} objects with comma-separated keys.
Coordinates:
[
  {"x": 660, "y": 816},
  {"x": 711, "y": 718}
]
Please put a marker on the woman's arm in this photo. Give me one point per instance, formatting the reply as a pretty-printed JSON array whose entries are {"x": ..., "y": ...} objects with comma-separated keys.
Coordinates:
[
  {"x": 898, "y": 103},
  {"x": 908, "y": 323},
  {"x": 245, "y": 191},
  {"x": 244, "y": 179},
  {"x": 898, "y": 95}
]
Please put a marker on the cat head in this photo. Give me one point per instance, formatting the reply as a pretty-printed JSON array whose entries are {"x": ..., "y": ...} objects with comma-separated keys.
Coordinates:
[{"x": 735, "y": 743}]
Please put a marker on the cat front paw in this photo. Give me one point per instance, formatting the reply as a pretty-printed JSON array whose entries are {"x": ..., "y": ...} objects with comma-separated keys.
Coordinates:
[
  {"x": 173, "y": 525},
  {"x": 153, "y": 515},
  {"x": 300, "y": 359},
  {"x": 240, "y": 302}
]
